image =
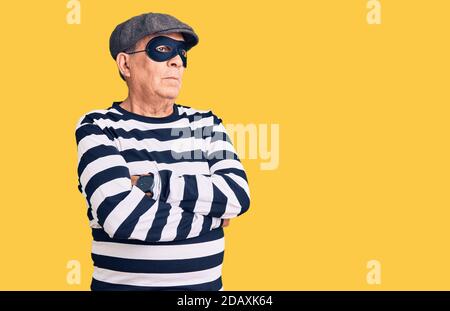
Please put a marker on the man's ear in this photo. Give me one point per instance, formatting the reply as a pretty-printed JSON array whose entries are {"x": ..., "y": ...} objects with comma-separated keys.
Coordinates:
[{"x": 122, "y": 61}]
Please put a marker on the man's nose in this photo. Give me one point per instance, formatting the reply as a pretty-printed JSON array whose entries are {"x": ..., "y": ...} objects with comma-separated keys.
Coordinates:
[{"x": 176, "y": 61}]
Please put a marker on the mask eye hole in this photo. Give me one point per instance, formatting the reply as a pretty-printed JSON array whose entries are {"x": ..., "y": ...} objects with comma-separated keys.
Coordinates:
[
  {"x": 163, "y": 48},
  {"x": 183, "y": 52}
]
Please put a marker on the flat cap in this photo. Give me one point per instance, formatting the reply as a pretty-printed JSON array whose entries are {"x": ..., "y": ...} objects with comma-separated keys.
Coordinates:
[{"x": 126, "y": 34}]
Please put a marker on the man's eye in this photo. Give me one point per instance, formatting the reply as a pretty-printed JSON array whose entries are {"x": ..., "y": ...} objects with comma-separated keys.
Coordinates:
[
  {"x": 163, "y": 48},
  {"x": 184, "y": 53}
]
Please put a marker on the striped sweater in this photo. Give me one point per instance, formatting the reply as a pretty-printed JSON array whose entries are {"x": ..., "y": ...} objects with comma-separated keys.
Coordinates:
[{"x": 174, "y": 240}]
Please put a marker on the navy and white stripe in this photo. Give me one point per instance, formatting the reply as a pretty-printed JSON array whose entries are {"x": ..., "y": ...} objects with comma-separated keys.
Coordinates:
[{"x": 174, "y": 240}]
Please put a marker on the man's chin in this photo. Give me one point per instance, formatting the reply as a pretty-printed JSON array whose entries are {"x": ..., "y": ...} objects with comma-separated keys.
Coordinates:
[{"x": 170, "y": 94}]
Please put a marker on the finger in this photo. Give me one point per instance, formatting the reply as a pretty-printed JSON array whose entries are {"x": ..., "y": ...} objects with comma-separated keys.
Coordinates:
[{"x": 150, "y": 194}]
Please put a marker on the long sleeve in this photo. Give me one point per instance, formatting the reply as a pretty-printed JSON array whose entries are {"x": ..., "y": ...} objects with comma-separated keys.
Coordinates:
[
  {"x": 121, "y": 209},
  {"x": 224, "y": 193}
]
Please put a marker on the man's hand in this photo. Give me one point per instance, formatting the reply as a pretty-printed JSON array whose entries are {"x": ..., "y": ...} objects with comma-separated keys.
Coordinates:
[
  {"x": 134, "y": 179},
  {"x": 226, "y": 222}
]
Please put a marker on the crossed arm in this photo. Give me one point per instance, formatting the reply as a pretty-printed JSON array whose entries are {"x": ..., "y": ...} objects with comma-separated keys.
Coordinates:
[
  {"x": 134, "y": 179},
  {"x": 188, "y": 205}
]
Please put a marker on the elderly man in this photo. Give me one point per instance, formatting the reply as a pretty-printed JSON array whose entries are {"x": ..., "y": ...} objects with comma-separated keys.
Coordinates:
[{"x": 160, "y": 179}]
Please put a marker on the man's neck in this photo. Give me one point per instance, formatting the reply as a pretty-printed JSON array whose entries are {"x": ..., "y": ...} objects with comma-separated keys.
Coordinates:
[{"x": 151, "y": 107}]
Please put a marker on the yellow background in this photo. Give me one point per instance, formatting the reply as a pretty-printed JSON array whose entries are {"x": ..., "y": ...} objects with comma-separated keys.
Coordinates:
[{"x": 363, "y": 113}]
